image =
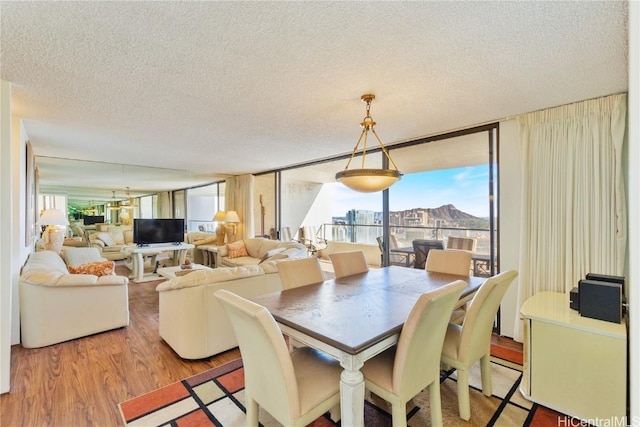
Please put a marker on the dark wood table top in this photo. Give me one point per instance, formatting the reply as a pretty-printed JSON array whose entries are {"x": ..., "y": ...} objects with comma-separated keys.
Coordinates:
[{"x": 355, "y": 312}]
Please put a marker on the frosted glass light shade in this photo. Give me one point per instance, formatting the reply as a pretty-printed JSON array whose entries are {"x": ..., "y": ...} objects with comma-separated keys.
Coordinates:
[{"x": 368, "y": 180}]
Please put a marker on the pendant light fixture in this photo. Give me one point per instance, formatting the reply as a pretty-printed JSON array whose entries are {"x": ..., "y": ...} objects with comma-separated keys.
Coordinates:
[
  {"x": 368, "y": 180},
  {"x": 114, "y": 203},
  {"x": 130, "y": 201}
]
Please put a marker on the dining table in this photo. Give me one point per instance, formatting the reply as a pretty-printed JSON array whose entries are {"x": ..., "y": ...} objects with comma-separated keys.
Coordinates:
[{"x": 354, "y": 318}]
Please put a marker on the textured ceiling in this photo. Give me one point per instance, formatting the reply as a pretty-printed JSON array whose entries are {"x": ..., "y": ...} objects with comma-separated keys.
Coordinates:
[{"x": 218, "y": 88}]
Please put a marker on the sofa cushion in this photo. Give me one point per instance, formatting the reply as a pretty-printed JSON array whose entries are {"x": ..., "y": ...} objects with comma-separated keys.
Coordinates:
[
  {"x": 106, "y": 238},
  {"x": 117, "y": 237},
  {"x": 207, "y": 276},
  {"x": 97, "y": 268},
  {"x": 237, "y": 249}
]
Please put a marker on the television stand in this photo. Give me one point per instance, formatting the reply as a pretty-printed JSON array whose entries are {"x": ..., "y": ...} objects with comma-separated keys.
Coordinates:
[{"x": 139, "y": 252}]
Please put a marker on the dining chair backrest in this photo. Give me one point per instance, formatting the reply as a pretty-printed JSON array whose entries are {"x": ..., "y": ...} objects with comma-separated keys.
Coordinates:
[
  {"x": 417, "y": 359},
  {"x": 268, "y": 370},
  {"x": 348, "y": 263},
  {"x": 300, "y": 272},
  {"x": 449, "y": 261},
  {"x": 461, "y": 243},
  {"x": 421, "y": 249},
  {"x": 475, "y": 338}
]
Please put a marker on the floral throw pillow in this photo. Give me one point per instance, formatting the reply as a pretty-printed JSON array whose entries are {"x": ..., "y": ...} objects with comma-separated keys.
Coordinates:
[
  {"x": 98, "y": 268},
  {"x": 237, "y": 249}
]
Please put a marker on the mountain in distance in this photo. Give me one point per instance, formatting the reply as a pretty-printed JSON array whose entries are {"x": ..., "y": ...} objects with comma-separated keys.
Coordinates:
[{"x": 449, "y": 212}]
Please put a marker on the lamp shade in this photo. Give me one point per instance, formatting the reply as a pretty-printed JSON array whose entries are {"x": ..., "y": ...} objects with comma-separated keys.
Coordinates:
[
  {"x": 53, "y": 217},
  {"x": 232, "y": 216},
  {"x": 220, "y": 216}
]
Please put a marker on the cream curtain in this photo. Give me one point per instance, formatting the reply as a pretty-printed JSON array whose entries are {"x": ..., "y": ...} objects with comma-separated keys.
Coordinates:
[
  {"x": 165, "y": 205},
  {"x": 574, "y": 214},
  {"x": 239, "y": 197}
]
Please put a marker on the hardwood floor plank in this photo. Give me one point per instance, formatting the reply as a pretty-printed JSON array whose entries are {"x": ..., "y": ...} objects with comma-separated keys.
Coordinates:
[{"x": 80, "y": 382}]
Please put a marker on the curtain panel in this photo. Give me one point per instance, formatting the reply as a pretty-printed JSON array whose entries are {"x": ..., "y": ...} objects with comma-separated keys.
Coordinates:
[
  {"x": 239, "y": 197},
  {"x": 573, "y": 204}
]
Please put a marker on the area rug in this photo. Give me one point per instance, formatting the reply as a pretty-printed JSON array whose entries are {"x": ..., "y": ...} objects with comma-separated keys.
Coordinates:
[{"x": 216, "y": 398}]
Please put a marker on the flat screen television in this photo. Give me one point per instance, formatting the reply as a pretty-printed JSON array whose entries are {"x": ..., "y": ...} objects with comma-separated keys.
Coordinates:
[
  {"x": 91, "y": 220},
  {"x": 150, "y": 231}
]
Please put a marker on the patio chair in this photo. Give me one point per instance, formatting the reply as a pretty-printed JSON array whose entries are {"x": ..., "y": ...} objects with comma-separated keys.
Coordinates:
[
  {"x": 308, "y": 236},
  {"x": 421, "y": 250},
  {"x": 401, "y": 372},
  {"x": 394, "y": 257},
  {"x": 462, "y": 243},
  {"x": 295, "y": 388}
]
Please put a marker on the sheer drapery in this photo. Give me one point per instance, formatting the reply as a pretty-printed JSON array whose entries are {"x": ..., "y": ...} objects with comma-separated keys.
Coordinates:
[
  {"x": 239, "y": 197},
  {"x": 244, "y": 204},
  {"x": 573, "y": 206},
  {"x": 165, "y": 205}
]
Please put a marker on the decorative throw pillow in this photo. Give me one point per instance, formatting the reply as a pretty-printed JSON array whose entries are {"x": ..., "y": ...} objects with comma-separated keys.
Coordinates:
[
  {"x": 106, "y": 239},
  {"x": 97, "y": 268},
  {"x": 117, "y": 237},
  {"x": 237, "y": 249}
]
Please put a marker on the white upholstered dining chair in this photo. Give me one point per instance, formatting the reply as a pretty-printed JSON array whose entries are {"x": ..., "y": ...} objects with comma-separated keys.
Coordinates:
[
  {"x": 401, "y": 372},
  {"x": 451, "y": 262},
  {"x": 465, "y": 345},
  {"x": 300, "y": 272},
  {"x": 348, "y": 263},
  {"x": 295, "y": 388}
]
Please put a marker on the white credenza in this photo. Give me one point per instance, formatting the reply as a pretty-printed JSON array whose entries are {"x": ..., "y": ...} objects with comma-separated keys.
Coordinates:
[{"x": 572, "y": 364}]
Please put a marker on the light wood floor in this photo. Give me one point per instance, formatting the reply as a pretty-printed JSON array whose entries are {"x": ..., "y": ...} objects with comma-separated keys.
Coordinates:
[{"x": 80, "y": 382}]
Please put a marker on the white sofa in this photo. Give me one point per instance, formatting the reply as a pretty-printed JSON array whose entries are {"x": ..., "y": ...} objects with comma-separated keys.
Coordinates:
[
  {"x": 57, "y": 306},
  {"x": 261, "y": 250},
  {"x": 113, "y": 242},
  {"x": 192, "y": 321}
]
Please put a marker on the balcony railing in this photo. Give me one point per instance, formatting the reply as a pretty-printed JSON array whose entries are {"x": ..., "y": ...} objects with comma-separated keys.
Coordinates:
[{"x": 405, "y": 235}]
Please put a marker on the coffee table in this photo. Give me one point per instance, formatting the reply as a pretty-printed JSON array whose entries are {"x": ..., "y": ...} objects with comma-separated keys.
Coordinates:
[{"x": 170, "y": 272}]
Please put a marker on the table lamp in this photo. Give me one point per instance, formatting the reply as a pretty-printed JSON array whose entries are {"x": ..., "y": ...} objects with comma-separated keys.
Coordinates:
[
  {"x": 232, "y": 218},
  {"x": 53, "y": 235},
  {"x": 221, "y": 230}
]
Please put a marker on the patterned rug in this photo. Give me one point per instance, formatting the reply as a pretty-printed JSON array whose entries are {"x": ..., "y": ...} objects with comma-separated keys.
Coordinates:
[{"x": 216, "y": 398}]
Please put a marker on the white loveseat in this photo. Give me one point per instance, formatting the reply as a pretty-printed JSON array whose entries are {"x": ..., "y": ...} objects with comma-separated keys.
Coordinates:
[
  {"x": 57, "y": 306},
  {"x": 260, "y": 250},
  {"x": 113, "y": 243},
  {"x": 192, "y": 321}
]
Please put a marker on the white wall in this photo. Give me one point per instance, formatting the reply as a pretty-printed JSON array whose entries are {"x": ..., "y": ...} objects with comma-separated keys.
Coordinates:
[
  {"x": 510, "y": 191},
  {"x": 634, "y": 208},
  {"x": 5, "y": 235}
]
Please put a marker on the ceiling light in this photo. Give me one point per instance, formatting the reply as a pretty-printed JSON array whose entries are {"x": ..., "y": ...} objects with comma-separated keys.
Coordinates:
[
  {"x": 114, "y": 203},
  {"x": 363, "y": 179},
  {"x": 130, "y": 201}
]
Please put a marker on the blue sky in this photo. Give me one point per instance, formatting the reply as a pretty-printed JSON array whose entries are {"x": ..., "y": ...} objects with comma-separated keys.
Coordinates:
[{"x": 466, "y": 188}]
